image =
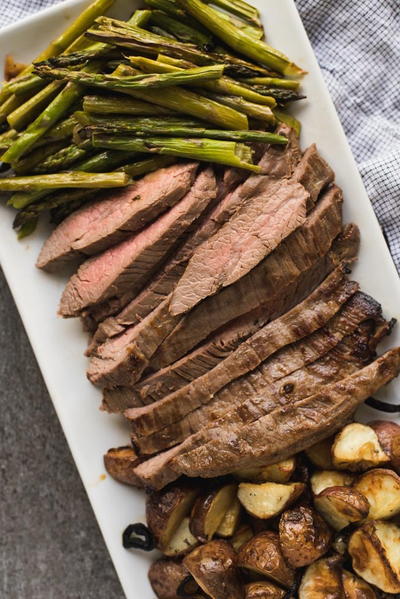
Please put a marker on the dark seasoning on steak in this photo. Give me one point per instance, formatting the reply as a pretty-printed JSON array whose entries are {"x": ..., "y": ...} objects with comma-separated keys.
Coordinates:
[{"x": 226, "y": 329}]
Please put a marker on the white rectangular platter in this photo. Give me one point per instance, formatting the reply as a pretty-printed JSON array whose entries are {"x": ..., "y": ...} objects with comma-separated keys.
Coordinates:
[{"x": 59, "y": 345}]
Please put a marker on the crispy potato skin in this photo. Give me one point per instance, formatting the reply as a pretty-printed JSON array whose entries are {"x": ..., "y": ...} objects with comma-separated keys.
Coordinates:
[
  {"x": 162, "y": 506},
  {"x": 381, "y": 487},
  {"x": 304, "y": 536},
  {"x": 322, "y": 580},
  {"x": 389, "y": 437},
  {"x": 267, "y": 500},
  {"x": 263, "y": 590},
  {"x": 263, "y": 554},
  {"x": 356, "y": 588},
  {"x": 214, "y": 567},
  {"x": 120, "y": 463},
  {"x": 165, "y": 576},
  {"x": 340, "y": 506}
]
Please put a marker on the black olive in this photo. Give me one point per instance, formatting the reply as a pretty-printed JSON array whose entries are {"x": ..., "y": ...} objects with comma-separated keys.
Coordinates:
[
  {"x": 138, "y": 536},
  {"x": 377, "y": 404}
]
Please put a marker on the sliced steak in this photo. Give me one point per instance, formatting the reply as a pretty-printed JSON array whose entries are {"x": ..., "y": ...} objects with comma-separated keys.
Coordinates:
[
  {"x": 119, "y": 399},
  {"x": 287, "y": 430},
  {"x": 129, "y": 264},
  {"x": 282, "y": 433},
  {"x": 164, "y": 282},
  {"x": 122, "y": 359},
  {"x": 171, "y": 420},
  {"x": 268, "y": 210},
  {"x": 269, "y": 279},
  {"x": 98, "y": 226}
]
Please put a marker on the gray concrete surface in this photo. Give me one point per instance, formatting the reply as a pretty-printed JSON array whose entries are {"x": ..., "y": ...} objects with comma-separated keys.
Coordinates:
[{"x": 50, "y": 545}]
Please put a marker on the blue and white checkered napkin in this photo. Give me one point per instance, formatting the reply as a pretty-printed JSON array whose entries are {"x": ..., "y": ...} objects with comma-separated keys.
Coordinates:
[{"x": 357, "y": 43}]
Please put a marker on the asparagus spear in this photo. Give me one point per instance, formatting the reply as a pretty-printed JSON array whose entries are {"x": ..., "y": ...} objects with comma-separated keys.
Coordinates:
[
  {"x": 8, "y": 106},
  {"x": 66, "y": 179},
  {"x": 24, "y": 85},
  {"x": 140, "y": 18},
  {"x": 80, "y": 58},
  {"x": 60, "y": 160},
  {"x": 151, "y": 130},
  {"x": 281, "y": 96},
  {"x": 182, "y": 31},
  {"x": 120, "y": 121},
  {"x": 37, "y": 156},
  {"x": 255, "y": 111},
  {"x": 256, "y": 32},
  {"x": 238, "y": 40},
  {"x": 273, "y": 82},
  {"x": 138, "y": 81},
  {"x": 105, "y": 161},
  {"x": 121, "y": 105},
  {"x": 288, "y": 119},
  {"x": 147, "y": 166},
  {"x": 30, "y": 109},
  {"x": 224, "y": 85},
  {"x": 223, "y": 152},
  {"x": 240, "y": 9}
]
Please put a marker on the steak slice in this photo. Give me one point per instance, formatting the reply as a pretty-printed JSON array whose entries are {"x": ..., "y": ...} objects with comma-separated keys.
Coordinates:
[
  {"x": 287, "y": 430},
  {"x": 269, "y": 279},
  {"x": 128, "y": 265},
  {"x": 171, "y": 420},
  {"x": 122, "y": 359},
  {"x": 98, "y": 226}
]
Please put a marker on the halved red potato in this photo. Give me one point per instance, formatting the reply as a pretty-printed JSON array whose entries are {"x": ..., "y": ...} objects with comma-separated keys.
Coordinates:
[
  {"x": 268, "y": 499},
  {"x": 357, "y": 448},
  {"x": 382, "y": 489},
  {"x": 231, "y": 519},
  {"x": 323, "y": 479},
  {"x": 304, "y": 536},
  {"x": 341, "y": 506},
  {"x": 320, "y": 454},
  {"x": 264, "y": 590},
  {"x": 182, "y": 541},
  {"x": 389, "y": 437},
  {"x": 356, "y": 588},
  {"x": 281, "y": 472},
  {"x": 323, "y": 580},
  {"x": 263, "y": 555},
  {"x": 209, "y": 511}
]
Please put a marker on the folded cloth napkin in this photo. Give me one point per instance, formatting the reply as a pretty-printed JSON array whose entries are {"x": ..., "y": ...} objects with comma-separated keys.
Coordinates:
[{"x": 357, "y": 44}]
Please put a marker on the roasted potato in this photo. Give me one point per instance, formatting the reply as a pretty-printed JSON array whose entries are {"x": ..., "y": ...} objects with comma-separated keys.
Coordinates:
[
  {"x": 231, "y": 519},
  {"x": 165, "y": 576},
  {"x": 182, "y": 541},
  {"x": 12, "y": 68},
  {"x": 323, "y": 479},
  {"x": 320, "y": 454},
  {"x": 120, "y": 463},
  {"x": 263, "y": 590},
  {"x": 322, "y": 580},
  {"x": 281, "y": 472},
  {"x": 375, "y": 552},
  {"x": 356, "y": 588},
  {"x": 209, "y": 511},
  {"x": 304, "y": 536},
  {"x": 268, "y": 499},
  {"x": 389, "y": 437},
  {"x": 166, "y": 509},
  {"x": 357, "y": 448},
  {"x": 340, "y": 506},
  {"x": 214, "y": 567},
  {"x": 263, "y": 555},
  {"x": 382, "y": 489},
  {"x": 241, "y": 536}
]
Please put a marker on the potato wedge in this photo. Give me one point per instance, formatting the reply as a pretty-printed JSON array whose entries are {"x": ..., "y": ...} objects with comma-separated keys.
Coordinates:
[
  {"x": 165, "y": 576},
  {"x": 120, "y": 463},
  {"x": 214, "y": 568},
  {"x": 182, "y": 541},
  {"x": 340, "y": 506},
  {"x": 263, "y": 555},
  {"x": 320, "y": 454},
  {"x": 375, "y": 552},
  {"x": 323, "y": 479},
  {"x": 268, "y": 499},
  {"x": 231, "y": 519},
  {"x": 382, "y": 489},
  {"x": 166, "y": 509},
  {"x": 357, "y": 448},
  {"x": 356, "y": 588},
  {"x": 12, "y": 68},
  {"x": 281, "y": 472},
  {"x": 263, "y": 590},
  {"x": 389, "y": 437},
  {"x": 322, "y": 580},
  {"x": 209, "y": 511},
  {"x": 241, "y": 536},
  {"x": 304, "y": 536}
]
